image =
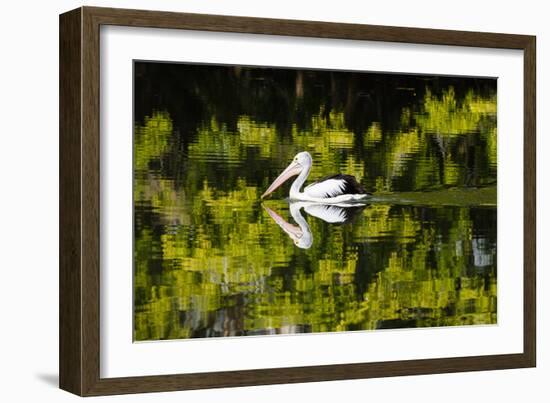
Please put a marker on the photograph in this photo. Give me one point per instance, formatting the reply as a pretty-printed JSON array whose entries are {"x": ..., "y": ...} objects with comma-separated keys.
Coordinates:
[
  {"x": 288, "y": 199},
  {"x": 275, "y": 200}
]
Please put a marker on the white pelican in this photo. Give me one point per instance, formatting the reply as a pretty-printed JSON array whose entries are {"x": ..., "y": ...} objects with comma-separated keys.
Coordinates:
[
  {"x": 329, "y": 190},
  {"x": 332, "y": 213}
]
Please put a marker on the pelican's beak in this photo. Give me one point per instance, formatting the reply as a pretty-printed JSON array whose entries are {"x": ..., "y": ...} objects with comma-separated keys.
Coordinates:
[
  {"x": 292, "y": 170},
  {"x": 293, "y": 231}
]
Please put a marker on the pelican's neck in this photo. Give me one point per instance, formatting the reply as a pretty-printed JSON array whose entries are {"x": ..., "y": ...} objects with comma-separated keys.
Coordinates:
[{"x": 299, "y": 182}]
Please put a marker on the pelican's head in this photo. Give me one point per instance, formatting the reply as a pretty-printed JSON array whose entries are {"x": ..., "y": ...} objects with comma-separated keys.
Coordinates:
[
  {"x": 303, "y": 158},
  {"x": 300, "y": 162}
]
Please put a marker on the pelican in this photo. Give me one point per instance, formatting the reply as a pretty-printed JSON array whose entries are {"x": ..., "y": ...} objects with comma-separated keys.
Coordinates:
[
  {"x": 300, "y": 234},
  {"x": 332, "y": 189}
]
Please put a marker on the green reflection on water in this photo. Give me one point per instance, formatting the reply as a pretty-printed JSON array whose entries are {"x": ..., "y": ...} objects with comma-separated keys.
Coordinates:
[{"x": 210, "y": 260}]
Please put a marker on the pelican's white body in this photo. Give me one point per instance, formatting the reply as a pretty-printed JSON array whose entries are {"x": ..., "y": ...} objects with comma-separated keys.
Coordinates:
[{"x": 315, "y": 192}]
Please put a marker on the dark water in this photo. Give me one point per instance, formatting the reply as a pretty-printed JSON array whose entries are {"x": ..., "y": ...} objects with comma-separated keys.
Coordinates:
[{"x": 212, "y": 259}]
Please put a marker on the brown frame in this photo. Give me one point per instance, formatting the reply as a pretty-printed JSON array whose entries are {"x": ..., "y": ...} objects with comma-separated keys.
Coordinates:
[{"x": 79, "y": 201}]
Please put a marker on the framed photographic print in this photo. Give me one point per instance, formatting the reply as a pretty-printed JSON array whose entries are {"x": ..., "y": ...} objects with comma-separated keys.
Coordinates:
[{"x": 249, "y": 201}]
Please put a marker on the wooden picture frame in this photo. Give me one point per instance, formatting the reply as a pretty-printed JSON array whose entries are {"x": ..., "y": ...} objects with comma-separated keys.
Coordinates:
[{"x": 80, "y": 184}]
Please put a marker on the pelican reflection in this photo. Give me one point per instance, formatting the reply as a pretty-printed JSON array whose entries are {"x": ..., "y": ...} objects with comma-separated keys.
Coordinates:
[{"x": 300, "y": 232}]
